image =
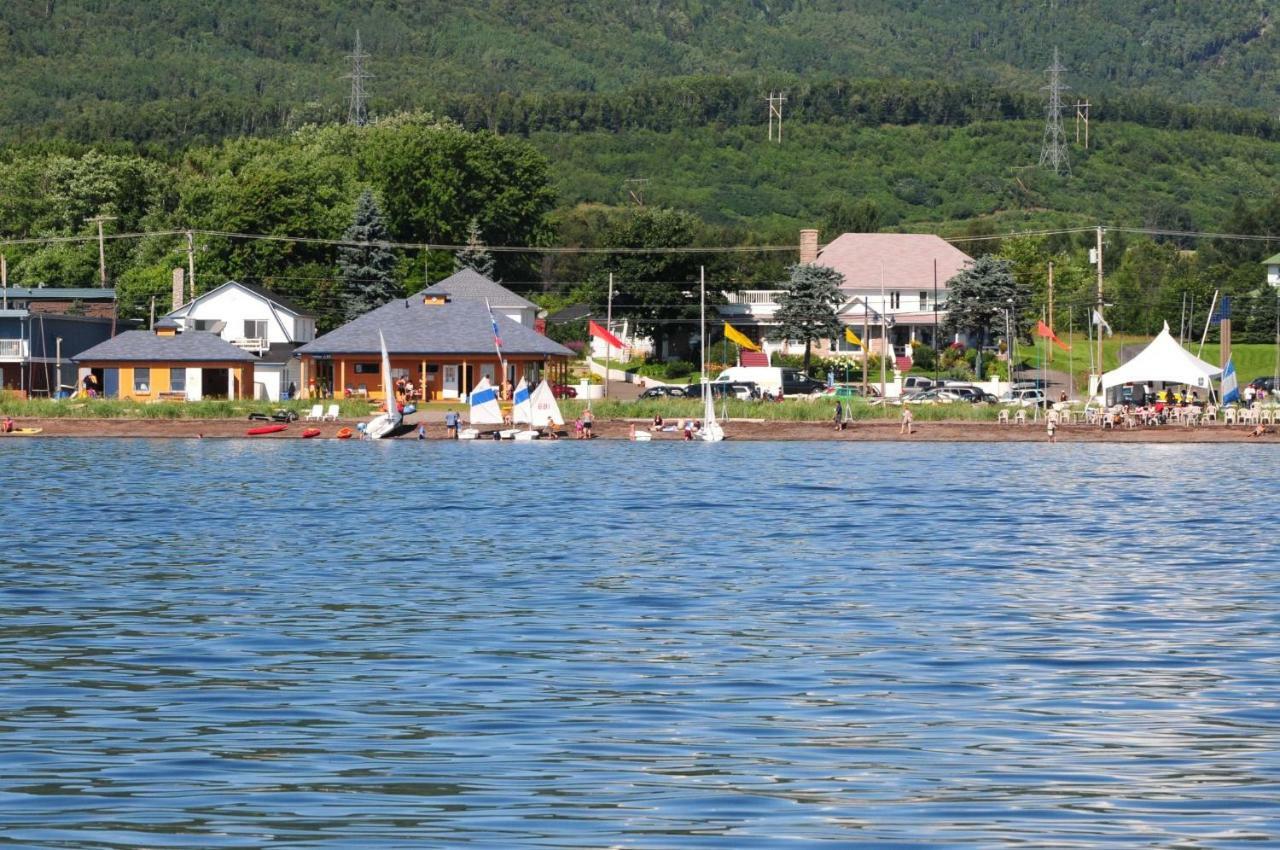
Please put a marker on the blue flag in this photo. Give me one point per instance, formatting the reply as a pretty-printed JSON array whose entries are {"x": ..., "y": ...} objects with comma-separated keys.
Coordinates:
[
  {"x": 1223, "y": 310},
  {"x": 1230, "y": 389}
]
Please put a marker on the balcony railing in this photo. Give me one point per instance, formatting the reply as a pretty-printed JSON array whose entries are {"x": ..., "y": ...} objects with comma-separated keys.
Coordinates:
[
  {"x": 755, "y": 297},
  {"x": 12, "y": 348},
  {"x": 255, "y": 344}
]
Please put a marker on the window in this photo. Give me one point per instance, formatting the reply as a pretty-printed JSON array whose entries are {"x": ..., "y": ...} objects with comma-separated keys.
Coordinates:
[
  {"x": 177, "y": 380},
  {"x": 255, "y": 329},
  {"x": 142, "y": 379},
  {"x": 895, "y": 300},
  {"x": 367, "y": 368},
  {"x": 203, "y": 324},
  {"x": 924, "y": 299}
]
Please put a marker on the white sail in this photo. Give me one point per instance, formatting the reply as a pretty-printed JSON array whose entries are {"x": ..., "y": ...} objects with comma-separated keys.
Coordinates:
[
  {"x": 711, "y": 431},
  {"x": 484, "y": 405},
  {"x": 522, "y": 406},
  {"x": 545, "y": 410},
  {"x": 385, "y": 423}
]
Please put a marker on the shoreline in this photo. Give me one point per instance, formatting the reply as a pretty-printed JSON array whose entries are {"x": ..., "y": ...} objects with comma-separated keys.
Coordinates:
[{"x": 945, "y": 431}]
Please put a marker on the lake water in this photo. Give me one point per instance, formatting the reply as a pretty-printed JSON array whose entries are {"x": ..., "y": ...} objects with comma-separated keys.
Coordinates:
[{"x": 209, "y": 644}]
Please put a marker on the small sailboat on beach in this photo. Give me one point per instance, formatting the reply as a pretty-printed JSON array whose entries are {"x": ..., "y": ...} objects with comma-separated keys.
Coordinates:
[
  {"x": 546, "y": 412},
  {"x": 484, "y": 410},
  {"x": 391, "y": 423},
  {"x": 711, "y": 431},
  {"x": 521, "y": 414}
]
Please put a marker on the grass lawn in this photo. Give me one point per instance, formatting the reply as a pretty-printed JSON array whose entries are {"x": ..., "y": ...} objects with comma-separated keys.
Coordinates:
[{"x": 104, "y": 408}]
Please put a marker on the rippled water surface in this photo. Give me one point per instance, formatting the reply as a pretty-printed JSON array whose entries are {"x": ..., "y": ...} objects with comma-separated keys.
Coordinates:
[{"x": 296, "y": 644}]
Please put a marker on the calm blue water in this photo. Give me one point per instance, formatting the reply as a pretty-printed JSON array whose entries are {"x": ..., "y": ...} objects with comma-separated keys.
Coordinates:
[{"x": 223, "y": 644}]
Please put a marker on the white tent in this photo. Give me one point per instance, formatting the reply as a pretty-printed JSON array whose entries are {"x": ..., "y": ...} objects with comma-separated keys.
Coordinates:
[{"x": 1163, "y": 360}]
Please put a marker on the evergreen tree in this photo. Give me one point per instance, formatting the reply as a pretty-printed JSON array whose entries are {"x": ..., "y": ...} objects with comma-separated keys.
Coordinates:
[
  {"x": 475, "y": 256},
  {"x": 807, "y": 310},
  {"x": 978, "y": 297},
  {"x": 367, "y": 272}
]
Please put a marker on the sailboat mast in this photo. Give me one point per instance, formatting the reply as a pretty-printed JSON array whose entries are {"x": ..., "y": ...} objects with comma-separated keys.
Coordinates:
[{"x": 702, "y": 293}]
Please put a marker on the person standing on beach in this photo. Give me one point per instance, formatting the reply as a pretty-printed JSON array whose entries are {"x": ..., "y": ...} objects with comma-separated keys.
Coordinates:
[
  {"x": 588, "y": 419},
  {"x": 907, "y": 419},
  {"x": 451, "y": 424},
  {"x": 839, "y": 416},
  {"x": 1052, "y": 426}
]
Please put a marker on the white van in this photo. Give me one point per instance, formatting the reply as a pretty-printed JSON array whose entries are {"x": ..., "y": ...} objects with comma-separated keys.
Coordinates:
[{"x": 770, "y": 379}]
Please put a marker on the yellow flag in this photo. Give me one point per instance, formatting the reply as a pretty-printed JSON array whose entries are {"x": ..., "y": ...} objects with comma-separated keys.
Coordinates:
[
  {"x": 737, "y": 337},
  {"x": 851, "y": 337}
]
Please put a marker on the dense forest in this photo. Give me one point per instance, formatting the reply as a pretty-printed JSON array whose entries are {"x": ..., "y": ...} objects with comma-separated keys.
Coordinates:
[{"x": 606, "y": 125}]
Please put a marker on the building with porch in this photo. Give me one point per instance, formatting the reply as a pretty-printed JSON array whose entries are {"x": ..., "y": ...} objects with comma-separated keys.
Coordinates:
[
  {"x": 441, "y": 344},
  {"x": 168, "y": 363},
  {"x": 258, "y": 321},
  {"x": 895, "y": 289},
  {"x": 37, "y": 347}
]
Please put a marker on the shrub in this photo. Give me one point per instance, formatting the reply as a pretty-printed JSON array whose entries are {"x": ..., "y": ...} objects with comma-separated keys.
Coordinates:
[{"x": 679, "y": 369}]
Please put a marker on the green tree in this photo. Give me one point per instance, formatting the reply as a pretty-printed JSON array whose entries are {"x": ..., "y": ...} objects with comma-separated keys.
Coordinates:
[
  {"x": 475, "y": 256},
  {"x": 367, "y": 271},
  {"x": 844, "y": 216},
  {"x": 656, "y": 289},
  {"x": 807, "y": 310},
  {"x": 978, "y": 297}
]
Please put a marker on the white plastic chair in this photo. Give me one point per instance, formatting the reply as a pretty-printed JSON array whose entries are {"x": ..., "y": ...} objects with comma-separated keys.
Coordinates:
[
  {"x": 1003, "y": 418},
  {"x": 1020, "y": 417},
  {"x": 1229, "y": 416},
  {"x": 332, "y": 414},
  {"x": 315, "y": 414}
]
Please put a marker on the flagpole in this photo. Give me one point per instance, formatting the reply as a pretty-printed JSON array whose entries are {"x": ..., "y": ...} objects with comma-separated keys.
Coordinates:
[
  {"x": 1208, "y": 320},
  {"x": 608, "y": 324},
  {"x": 702, "y": 307}
]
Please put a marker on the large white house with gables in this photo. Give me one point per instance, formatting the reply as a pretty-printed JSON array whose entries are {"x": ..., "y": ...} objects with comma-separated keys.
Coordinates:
[{"x": 257, "y": 321}]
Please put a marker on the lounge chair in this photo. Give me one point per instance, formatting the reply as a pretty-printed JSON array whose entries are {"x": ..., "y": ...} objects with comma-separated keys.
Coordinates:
[
  {"x": 316, "y": 414},
  {"x": 332, "y": 414}
]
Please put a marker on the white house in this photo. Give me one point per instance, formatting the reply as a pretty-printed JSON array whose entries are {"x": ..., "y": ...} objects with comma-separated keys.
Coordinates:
[
  {"x": 259, "y": 322},
  {"x": 895, "y": 288},
  {"x": 1273, "y": 270}
]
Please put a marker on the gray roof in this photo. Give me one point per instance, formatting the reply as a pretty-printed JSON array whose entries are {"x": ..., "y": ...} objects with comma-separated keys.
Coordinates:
[
  {"x": 412, "y": 327},
  {"x": 469, "y": 283},
  {"x": 278, "y": 352},
  {"x": 61, "y": 293},
  {"x": 145, "y": 346}
]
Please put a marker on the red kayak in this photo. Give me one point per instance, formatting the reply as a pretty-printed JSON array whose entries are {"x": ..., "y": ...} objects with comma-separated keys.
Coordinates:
[
  {"x": 265, "y": 429},
  {"x": 310, "y": 432}
]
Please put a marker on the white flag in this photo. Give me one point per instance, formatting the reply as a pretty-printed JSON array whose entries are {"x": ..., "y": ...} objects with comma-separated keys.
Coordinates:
[{"x": 1098, "y": 320}]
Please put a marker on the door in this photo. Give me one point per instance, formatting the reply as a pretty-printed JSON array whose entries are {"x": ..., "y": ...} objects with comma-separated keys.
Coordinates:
[
  {"x": 450, "y": 389},
  {"x": 110, "y": 383},
  {"x": 488, "y": 370}
]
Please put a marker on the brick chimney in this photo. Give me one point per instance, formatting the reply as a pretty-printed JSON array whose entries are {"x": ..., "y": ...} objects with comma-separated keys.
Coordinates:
[
  {"x": 178, "y": 275},
  {"x": 808, "y": 246}
]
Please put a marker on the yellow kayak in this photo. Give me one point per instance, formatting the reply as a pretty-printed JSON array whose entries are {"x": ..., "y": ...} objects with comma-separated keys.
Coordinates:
[{"x": 21, "y": 432}]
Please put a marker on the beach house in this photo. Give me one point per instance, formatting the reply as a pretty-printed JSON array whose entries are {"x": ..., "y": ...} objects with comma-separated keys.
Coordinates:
[
  {"x": 168, "y": 363},
  {"x": 440, "y": 342},
  {"x": 895, "y": 289},
  {"x": 257, "y": 321},
  {"x": 42, "y": 328}
]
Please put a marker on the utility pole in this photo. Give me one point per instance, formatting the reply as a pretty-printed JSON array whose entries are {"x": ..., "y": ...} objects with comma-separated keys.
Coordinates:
[
  {"x": 4, "y": 282},
  {"x": 191, "y": 266},
  {"x": 608, "y": 324},
  {"x": 357, "y": 113},
  {"x": 102, "y": 251},
  {"x": 1082, "y": 116},
  {"x": 634, "y": 187},
  {"x": 775, "y": 112},
  {"x": 1098, "y": 308},
  {"x": 1053, "y": 148},
  {"x": 152, "y": 325},
  {"x": 1048, "y": 348}
]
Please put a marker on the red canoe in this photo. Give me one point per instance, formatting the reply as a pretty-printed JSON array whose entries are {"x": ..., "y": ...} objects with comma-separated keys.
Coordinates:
[
  {"x": 344, "y": 433},
  {"x": 265, "y": 429},
  {"x": 310, "y": 432}
]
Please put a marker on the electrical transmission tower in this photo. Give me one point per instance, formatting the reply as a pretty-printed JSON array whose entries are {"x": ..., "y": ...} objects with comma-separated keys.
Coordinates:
[
  {"x": 775, "y": 112},
  {"x": 357, "y": 113},
  {"x": 1053, "y": 150}
]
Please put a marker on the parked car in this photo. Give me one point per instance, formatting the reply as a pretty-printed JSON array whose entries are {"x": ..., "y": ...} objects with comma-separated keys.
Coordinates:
[
  {"x": 1024, "y": 398},
  {"x": 964, "y": 392},
  {"x": 1264, "y": 383},
  {"x": 913, "y": 384},
  {"x": 844, "y": 391},
  {"x": 663, "y": 391},
  {"x": 563, "y": 391}
]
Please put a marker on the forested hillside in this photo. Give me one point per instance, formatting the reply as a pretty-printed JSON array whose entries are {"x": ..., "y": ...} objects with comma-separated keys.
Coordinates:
[{"x": 189, "y": 69}]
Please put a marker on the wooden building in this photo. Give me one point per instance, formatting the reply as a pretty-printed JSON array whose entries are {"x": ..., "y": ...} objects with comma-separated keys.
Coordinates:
[
  {"x": 166, "y": 364},
  {"x": 441, "y": 344}
]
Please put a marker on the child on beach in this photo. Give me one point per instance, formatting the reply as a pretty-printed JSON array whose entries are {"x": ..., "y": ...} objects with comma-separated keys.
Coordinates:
[{"x": 907, "y": 419}]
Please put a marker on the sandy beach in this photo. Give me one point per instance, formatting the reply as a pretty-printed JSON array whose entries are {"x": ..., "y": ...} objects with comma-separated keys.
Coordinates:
[{"x": 619, "y": 429}]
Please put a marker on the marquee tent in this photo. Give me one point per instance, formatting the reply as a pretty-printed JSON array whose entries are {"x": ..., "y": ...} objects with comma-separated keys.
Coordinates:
[{"x": 1163, "y": 360}]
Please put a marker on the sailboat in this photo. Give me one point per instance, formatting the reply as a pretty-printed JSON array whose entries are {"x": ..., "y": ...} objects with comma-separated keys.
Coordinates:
[
  {"x": 545, "y": 411},
  {"x": 521, "y": 413},
  {"x": 712, "y": 431},
  {"x": 389, "y": 424},
  {"x": 484, "y": 409}
]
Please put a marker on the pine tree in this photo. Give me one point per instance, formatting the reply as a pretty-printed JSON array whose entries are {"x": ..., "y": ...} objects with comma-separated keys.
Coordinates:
[
  {"x": 475, "y": 256},
  {"x": 807, "y": 310},
  {"x": 367, "y": 272},
  {"x": 978, "y": 297}
]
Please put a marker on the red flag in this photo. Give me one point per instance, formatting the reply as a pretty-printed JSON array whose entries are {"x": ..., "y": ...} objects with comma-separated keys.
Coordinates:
[
  {"x": 1045, "y": 331},
  {"x": 600, "y": 333}
]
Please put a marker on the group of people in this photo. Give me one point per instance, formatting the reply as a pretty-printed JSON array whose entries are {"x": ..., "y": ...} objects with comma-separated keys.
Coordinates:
[{"x": 583, "y": 426}]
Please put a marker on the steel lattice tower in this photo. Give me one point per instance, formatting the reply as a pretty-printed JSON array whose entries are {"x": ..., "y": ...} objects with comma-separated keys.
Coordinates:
[
  {"x": 357, "y": 113},
  {"x": 1053, "y": 150}
]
